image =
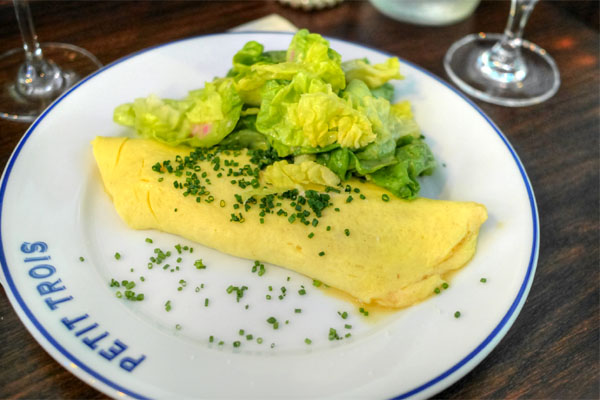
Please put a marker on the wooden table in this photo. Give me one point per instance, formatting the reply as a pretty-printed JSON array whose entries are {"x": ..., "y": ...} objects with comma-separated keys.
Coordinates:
[{"x": 552, "y": 349}]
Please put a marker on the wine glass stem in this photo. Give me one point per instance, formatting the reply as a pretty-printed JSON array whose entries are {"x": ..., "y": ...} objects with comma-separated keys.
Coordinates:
[
  {"x": 37, "y": 77},
  {"x": 503, "y": 62},
  {"x": 32, "y": 48}
]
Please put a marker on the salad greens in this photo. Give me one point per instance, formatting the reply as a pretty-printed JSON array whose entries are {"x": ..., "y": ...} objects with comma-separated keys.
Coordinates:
[{"x": 320, "y": 120}]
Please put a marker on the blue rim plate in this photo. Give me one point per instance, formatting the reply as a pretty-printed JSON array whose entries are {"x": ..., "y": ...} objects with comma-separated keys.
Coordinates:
[{"x": 54, "y": 210}]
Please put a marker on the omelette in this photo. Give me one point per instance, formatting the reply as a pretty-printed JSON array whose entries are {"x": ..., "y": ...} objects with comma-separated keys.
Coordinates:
[{"x": 357, "y": 237}]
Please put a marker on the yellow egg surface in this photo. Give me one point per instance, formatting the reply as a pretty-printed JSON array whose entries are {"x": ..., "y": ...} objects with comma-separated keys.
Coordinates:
[{"x": 393, "y": 253}]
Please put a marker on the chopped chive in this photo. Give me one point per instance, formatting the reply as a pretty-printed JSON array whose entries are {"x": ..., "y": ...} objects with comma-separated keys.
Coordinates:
[
  {"x": 321, "y": 254},
  {"x": 437, "y": 290},
  {"x": 311, "y": 235},
  {"x": 445, "y": 285},
  {"x": 237, "y": 343},
  {"x": 297, "y": 310},
  {"x": 347, "y": 232},
  {"x": 206, "y": 301},
  {"x": 483, "y": 280},
  {"x": 148, "y": 240},
  {"x": 333, "y": 335},
  {"x": 457, "y": 314},
  {"x": 307, "y": 341},
  {"x": 117, "y": 256},
  {"x": 385, "y": 197},
  {"x": 81, "y": 259}
]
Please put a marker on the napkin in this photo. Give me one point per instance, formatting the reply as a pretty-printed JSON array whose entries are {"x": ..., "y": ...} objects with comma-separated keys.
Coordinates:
[{"x": 273, "y": 22}]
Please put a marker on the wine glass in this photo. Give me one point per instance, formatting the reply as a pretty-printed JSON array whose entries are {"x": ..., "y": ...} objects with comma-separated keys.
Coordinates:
[
  {"x": 504, "y": 69},
  {"x": 33, "y": 76}
]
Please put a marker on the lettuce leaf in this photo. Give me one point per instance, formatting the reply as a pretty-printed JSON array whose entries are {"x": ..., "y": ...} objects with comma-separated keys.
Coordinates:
[
  {"x": 308, "y": 53},
  {"x": 306, "y": 116},
  {"x": 312, "y": 51},
  {"x": 380, "y": 152},
  {"x": 338, "y": 161},
  {"x": 385, "y": 91},
  {"x": 373, "y": 75},
  {"x": 414, "y": 159},
  {"x": 403, "y": 122},
  {"x": 246, "y": 136},
  {"x": 283, "y": 175},
  {"x": 202, "y": 119}
]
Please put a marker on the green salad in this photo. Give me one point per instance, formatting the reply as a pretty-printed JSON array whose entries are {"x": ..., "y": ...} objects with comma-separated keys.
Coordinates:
[{"x": 321, "y": 119}]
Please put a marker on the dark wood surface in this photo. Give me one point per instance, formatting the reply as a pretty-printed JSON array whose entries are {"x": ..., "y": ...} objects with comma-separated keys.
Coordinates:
[{"x": 552, "y": 351}]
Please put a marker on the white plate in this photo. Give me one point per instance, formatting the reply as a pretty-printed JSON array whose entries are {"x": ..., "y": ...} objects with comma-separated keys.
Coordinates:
[{"x": 54, "y": 210}]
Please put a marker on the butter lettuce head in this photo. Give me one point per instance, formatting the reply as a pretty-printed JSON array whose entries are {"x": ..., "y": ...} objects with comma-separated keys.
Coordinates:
[
  {"x": 334, "y": 117},
  {"x": 202, "y": 119}
]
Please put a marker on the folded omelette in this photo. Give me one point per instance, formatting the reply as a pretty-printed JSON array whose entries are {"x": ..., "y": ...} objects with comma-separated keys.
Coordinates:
[{"x": 367, "y": 243}]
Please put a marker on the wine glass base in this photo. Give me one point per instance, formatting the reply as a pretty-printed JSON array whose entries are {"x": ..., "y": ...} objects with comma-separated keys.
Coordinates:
[
  {"x": 74, "y": 62},
  {"x": 462, "y": 64}
]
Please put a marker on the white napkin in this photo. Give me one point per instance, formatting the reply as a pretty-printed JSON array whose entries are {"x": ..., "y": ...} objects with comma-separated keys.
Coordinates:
[{"x": 273, "y": 22}]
